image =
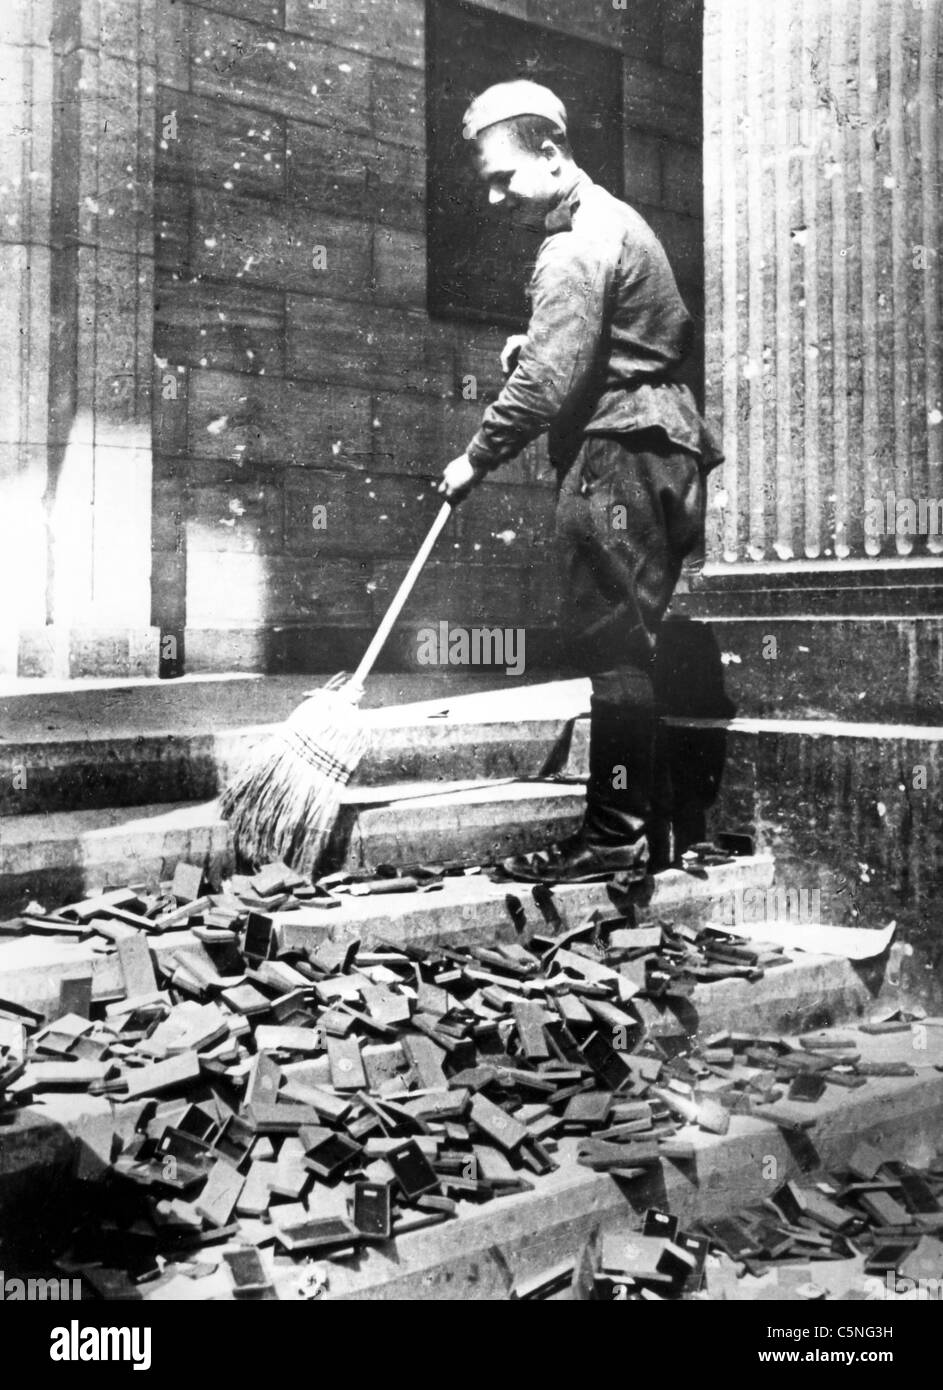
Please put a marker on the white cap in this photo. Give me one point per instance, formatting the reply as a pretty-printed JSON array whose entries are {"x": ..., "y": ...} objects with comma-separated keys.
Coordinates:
[{"x": 509, "y": 99}]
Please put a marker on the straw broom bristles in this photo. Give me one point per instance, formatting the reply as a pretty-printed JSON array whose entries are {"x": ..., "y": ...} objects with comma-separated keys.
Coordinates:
[{"x": 283, "y": 802}]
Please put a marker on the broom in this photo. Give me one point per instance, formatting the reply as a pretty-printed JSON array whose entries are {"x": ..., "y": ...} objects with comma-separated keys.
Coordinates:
[{"x": 283, "y": 802}]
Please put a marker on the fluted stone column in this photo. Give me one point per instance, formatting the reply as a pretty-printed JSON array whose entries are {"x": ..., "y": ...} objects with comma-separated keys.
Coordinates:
[
  {"x": 825, "y": 353},
  {"x": 825, "y": 382}
]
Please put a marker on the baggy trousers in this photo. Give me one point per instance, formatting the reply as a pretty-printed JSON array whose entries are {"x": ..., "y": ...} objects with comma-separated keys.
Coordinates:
[{"x": 629, "y": 510}]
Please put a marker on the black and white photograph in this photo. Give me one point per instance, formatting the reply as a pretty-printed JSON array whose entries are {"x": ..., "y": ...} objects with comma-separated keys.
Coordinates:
[{"x": 471, "y": 666}]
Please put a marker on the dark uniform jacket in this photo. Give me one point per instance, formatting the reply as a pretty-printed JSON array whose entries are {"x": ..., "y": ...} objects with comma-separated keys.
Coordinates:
[{"x": 607, "y": 333}]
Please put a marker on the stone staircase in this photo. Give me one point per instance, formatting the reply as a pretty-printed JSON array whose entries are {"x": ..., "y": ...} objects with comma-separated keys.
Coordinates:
[
  {"x": 120, "y": 786},
  {"x": 117, "y": 784},
  {"x": 823, "y": 733}
]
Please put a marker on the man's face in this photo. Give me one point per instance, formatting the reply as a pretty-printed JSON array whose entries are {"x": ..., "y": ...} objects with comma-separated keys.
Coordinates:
[{"x": 522, "y": 185}]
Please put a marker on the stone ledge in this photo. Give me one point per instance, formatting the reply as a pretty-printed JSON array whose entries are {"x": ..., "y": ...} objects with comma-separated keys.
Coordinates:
[
  {"x": 468, "y": 908},
  {"x": 538, "y": 1229},
  {"x": 900, "y": 1117},
  {"x": 93, "y": 651},
  {"x": 852, "y": 668}
]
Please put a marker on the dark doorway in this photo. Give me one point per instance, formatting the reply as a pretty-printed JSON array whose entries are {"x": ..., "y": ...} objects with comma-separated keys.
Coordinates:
[{"x": 477, "y": 261}]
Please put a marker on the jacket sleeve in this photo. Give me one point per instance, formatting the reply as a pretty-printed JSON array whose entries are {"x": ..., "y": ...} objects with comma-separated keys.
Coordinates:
[{"x": 568, "y": 298}]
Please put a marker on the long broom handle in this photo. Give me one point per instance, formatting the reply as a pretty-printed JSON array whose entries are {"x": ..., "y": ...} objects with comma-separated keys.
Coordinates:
[{"x": 402, "y": 594}]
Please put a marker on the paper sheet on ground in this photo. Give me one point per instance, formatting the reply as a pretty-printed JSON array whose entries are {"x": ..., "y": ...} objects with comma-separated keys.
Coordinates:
[
  {"x": 854, "y": 943},
  {"x": 552, "y": 700}
]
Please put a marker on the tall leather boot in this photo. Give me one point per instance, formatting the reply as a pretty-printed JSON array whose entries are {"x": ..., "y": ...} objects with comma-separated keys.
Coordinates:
[
  {"x": 612, "y": 838},
  {"x": 619, "y": 789}
]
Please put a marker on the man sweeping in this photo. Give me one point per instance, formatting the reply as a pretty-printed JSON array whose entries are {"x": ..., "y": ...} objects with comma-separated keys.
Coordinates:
[{"x": 597, "y": 370}]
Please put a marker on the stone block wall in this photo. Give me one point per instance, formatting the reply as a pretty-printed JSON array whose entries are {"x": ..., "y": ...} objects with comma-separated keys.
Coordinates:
[{"x": 303, "y": 398}]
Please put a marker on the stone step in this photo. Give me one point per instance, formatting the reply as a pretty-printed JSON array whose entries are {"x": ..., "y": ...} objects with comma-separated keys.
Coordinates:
[
  {"x": 533, "y": 1231},
  {"x": 113, "y": 771},
  {"x": 803, "y": 665},
  {"x": 520, "y": 1237},
  {"x": 76, "y": 707},
  {"x": 809, "y": 991},
  {"x": 467, "y": 822},
  {"x": 39, "y": 1144},
  {"x": 82, "y": 753},
  {"x": 69, "y": 854},
  {"x": 817, "y": 666},
  {"x": 469, "y": 908},
  {"x": 849, "y": 808}
]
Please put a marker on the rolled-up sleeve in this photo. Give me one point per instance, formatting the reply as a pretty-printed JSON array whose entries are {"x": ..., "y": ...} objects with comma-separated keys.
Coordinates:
[{"x": 568, "y": 298}]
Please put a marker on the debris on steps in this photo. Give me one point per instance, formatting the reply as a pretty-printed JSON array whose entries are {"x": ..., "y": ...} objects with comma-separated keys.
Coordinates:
[
  {"x": 327, "y": 1099},
  {"x": 870, "y": 1232}
]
